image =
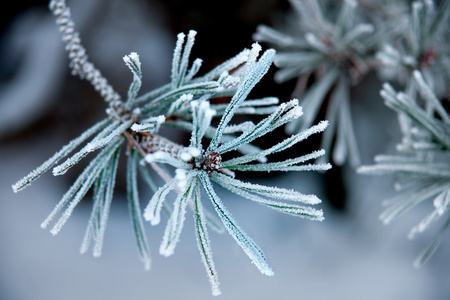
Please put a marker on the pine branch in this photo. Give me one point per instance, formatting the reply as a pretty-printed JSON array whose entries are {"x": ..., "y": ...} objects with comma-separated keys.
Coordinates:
[
  {"x": 184, "y": 103},
  {"x": 424, "y": 170}
]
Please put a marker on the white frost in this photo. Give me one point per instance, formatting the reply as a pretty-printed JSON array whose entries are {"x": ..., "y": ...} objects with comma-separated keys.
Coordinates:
[{"x": 132, "y": 59}]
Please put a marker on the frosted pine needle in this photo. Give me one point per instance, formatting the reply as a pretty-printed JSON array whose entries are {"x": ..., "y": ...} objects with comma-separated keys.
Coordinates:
[
  {"x": 426, "y": 170},
  {"x": 331, "y": 48}
]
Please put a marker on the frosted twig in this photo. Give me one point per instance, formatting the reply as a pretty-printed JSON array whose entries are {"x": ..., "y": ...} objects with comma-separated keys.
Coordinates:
[{"x": 79, "y": 61}]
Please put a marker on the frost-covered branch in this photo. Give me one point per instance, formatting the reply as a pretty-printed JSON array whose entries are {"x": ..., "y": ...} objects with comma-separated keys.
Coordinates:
[
  {"x": 422, "y": 167},
  {"x": 185, "y": 103},
  {"x": 79, "y": 61}
]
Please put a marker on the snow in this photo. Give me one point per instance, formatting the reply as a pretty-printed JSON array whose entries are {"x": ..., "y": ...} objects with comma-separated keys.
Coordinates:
[{"x": 181, "y": 177}]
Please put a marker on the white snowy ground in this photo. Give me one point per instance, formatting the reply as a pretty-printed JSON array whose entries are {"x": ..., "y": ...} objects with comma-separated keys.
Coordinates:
[{"x": 343, "y": 257}]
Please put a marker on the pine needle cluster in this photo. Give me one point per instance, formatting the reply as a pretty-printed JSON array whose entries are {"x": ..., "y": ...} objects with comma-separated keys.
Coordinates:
[{"x": 186, "y": 104}]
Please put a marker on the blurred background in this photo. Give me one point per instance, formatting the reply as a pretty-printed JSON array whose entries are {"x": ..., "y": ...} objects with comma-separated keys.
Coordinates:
[{"x": 350, "y": 255}]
